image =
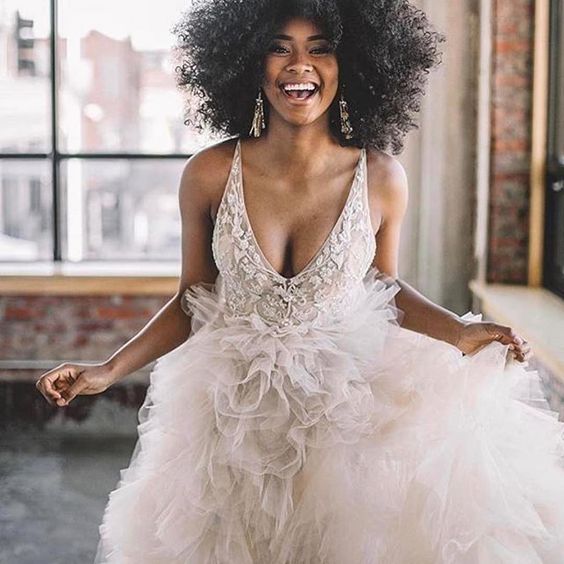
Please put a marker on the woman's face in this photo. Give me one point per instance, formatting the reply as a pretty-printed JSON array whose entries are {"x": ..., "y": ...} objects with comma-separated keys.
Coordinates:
[{"x": 301, "y": 72}]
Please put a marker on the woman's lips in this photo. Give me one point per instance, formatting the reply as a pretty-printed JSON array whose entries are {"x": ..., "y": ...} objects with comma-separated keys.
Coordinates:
[{"x": 300, "y": 101}]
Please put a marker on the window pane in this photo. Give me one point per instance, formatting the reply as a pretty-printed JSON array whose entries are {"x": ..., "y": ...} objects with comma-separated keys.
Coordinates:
[
  {"x": 26, "y": 219},
  {"x": 121, "y": 209},
  {"x": 118, "y": 85},
  {"x": 24, "y": 76}
]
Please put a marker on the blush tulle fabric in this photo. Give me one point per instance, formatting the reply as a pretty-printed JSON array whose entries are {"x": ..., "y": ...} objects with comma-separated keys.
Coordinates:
[{"x": 301, "y": 424}]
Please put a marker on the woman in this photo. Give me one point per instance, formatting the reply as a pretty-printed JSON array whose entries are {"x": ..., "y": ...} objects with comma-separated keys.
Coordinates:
[{"x": 315, "y": 407}]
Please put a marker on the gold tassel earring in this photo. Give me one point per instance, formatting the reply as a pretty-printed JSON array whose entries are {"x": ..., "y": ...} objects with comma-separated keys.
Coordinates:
[
  {"x": 346, "y": 126},
  {"x": 258, "y": 117}
]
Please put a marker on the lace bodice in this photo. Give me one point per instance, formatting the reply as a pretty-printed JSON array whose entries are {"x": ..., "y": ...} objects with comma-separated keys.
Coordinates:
[{"x": 324, "y": 287}]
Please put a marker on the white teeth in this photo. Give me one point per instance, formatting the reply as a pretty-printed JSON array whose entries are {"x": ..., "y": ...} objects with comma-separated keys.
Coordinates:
[{"x": 299, "y": 86}]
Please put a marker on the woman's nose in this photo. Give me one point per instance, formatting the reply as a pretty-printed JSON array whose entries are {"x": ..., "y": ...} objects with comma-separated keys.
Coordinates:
[{"x": 300, "y": 62}]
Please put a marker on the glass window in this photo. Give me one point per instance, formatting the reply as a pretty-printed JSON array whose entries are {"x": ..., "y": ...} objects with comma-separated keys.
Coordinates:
[
  {"x": 121, "y": 209},
  {"x": 24, "y": 76},
  {"x": 26, "y": 210},
  {"x": 116, "y": 104},
  {"x": 118, "y": 90}
]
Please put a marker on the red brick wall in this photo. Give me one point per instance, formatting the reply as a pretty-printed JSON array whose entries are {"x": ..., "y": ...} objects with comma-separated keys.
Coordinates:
[
  {"x": 511, "y": 138},
  {"x": 55, "y": 329},
  {"x": 88, "y": 328}
]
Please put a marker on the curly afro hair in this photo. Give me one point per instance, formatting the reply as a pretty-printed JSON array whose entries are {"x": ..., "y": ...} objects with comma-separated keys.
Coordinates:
[{"x": 384, "y": 48}]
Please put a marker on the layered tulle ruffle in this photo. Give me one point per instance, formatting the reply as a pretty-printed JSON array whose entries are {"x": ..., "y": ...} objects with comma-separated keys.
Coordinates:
[{"x": 356, "y": 441}]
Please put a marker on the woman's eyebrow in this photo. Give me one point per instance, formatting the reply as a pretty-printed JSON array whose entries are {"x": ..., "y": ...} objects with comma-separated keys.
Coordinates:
[{"x": 290, "y": 38}]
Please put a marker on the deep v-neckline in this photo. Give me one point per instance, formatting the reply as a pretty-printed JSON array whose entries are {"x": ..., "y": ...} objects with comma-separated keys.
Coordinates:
[{"x": 325, "y": 242}]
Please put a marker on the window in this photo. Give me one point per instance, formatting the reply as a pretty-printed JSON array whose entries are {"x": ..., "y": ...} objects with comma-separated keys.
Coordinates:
[
  {"x": 554, "y": 211},
  {"x": 92, "y": 141}
]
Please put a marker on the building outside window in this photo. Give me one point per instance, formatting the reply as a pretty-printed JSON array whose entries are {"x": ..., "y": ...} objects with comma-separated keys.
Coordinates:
[{"x": 92, "y": 141}]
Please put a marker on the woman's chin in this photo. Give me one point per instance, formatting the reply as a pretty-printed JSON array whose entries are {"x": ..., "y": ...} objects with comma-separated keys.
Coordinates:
[
  {"x": 303, "y": 122},
  {"x": 299, "y": 114}
]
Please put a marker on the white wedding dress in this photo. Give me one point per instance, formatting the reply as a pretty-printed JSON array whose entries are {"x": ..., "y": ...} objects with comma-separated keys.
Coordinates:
[{"x": 301, "y": 424}]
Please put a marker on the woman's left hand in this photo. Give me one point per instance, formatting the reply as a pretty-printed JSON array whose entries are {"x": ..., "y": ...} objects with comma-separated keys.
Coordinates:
[{"x": 473, "y": 335}]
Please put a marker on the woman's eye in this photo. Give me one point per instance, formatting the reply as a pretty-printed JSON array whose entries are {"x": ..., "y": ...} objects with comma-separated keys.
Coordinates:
[
  {"x": 315, "y": 50},
  {"x": 277, "y": 49},
  {"x": 321, "y": 50}
]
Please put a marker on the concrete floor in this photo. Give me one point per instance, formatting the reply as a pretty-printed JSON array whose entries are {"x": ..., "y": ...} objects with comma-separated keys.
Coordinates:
[{"x": 53, "y": 490}]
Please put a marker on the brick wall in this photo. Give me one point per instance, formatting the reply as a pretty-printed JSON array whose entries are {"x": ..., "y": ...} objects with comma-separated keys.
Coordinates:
[
  {"x": 55, "y": 329},
  {"x": 71, "y": 327},
  {"x": 511, "y": 139}
]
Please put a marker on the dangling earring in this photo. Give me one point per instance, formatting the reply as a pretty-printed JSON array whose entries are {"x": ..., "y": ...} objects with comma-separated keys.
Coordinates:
[
  {"x": 346, "y": 127},
  {"x": 258, "y": 118}
]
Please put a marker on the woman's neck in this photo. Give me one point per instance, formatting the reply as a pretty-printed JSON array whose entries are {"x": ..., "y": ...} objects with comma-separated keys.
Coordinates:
[{"x": 301, "y": 146}]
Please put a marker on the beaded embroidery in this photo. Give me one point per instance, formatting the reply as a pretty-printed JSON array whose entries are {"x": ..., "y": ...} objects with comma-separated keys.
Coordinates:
[{"x": 325, "y": 286}]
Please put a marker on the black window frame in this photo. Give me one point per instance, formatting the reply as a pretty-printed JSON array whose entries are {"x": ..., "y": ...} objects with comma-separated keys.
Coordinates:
[
  {"x": 553, "y": 273},
  {"x": 56, "y": 158}
]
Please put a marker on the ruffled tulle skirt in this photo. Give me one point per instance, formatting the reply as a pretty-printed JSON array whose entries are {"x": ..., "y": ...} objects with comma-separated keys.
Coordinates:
[{"x": 359, "y": 442}]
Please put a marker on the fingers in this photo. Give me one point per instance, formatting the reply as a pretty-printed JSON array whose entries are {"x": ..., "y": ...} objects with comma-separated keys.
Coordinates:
[
  {"x": 502, "y": 333},
  {"x": 73, "y": 391},
  {"x": 46, "y": 385},
  {"x": 507, "y": 336},
  {"x": 53, "y": 383},
  {"x": 521, "y": 352},
  {"x": 62, "y": 384}
]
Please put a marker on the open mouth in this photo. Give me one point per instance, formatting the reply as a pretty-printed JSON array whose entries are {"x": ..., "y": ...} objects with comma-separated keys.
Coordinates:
[{"x": 299, "y": 91}]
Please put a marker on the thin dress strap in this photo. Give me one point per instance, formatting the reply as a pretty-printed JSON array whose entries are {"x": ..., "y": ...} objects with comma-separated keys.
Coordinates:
[
  {"x": 231, "y": 178},
  {"x": 364, "y": 181}
]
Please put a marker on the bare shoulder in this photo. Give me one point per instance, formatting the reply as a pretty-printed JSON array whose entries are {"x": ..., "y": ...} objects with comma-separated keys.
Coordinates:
[
  {"x": 386, "y": 175},
  {"x": 387, "y": 184},
  {"x": 205, "y": 174}
]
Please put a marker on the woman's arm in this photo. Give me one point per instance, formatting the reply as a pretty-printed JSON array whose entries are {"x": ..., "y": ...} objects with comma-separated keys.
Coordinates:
[
  {"x": 388, "y": 193},
  {"x": 170, "y": 326}
]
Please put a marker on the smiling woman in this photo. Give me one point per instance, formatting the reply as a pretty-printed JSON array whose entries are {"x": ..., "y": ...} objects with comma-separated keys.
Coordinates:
[
  {"x": 307, "y": 405},
  {"x": 383, "y": 53},
  {"x": 301, "y": 75}
]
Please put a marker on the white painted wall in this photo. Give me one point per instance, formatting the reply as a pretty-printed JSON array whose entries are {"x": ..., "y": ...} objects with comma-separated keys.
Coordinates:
[{"x": 437, "y": 249}]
